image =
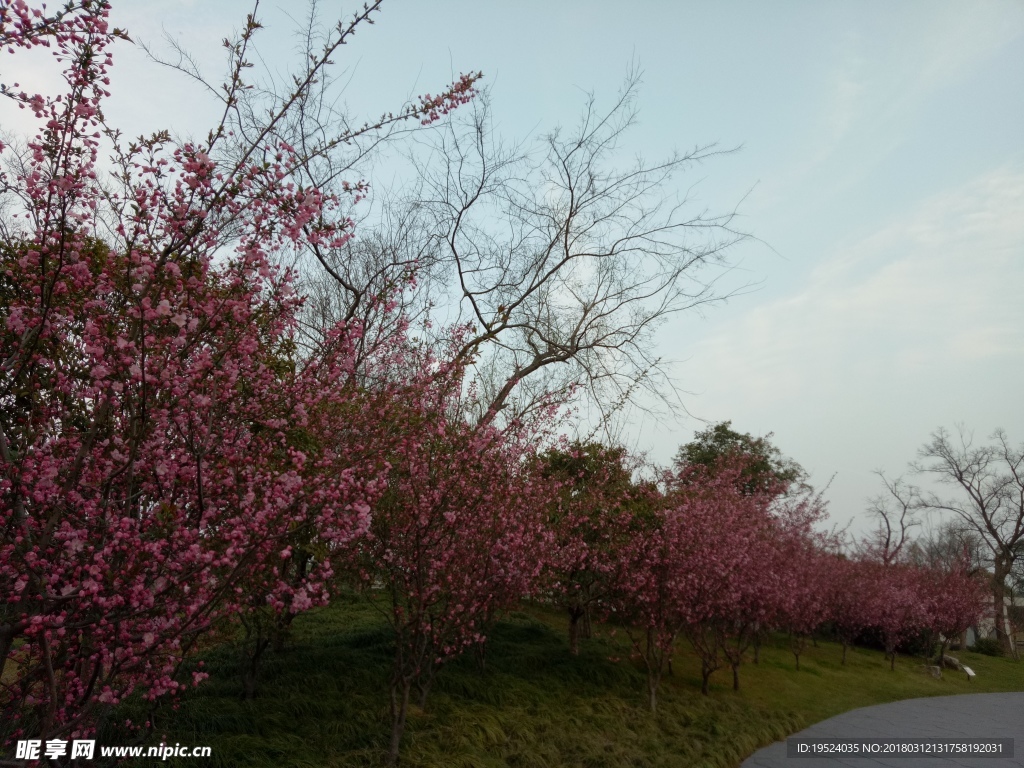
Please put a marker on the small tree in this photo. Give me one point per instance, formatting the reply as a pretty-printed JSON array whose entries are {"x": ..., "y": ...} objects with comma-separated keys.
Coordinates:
[
  {"x": 955, "y": 596},
  {"x": 457, "y": 535},
  {"x": 801, "y": 561},
  {"x": 590, "y": 522},
  {"x": 848, "y": 598},
  {"x": 757, "y": 591},
  {"x": 899, "y": 609}
]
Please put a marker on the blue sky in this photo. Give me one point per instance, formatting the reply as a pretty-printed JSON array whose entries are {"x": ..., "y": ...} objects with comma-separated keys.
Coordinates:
[{"x": 882, "y": 169}]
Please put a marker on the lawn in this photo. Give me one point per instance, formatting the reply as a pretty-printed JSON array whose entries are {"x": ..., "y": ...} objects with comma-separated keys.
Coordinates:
[{"x": 323, "y": 700}]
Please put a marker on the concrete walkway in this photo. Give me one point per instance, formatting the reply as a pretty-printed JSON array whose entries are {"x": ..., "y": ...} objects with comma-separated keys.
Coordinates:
[{"x": 982, "y": 715}]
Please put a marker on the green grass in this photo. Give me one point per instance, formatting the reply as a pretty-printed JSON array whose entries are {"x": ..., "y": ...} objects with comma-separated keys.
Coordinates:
[{"x": 323, "y": 700}]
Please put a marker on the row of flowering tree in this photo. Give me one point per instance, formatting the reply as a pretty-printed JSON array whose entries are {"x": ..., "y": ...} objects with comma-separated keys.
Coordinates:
[{"x": 710, "y": 555}]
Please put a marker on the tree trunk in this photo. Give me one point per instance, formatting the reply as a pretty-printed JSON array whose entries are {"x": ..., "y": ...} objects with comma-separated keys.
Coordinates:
[
  {"x": 797, "y": 643},
  {"x": 735, "y": 677},
  {"x": 424, "y": 684},
  {"x": 1000, "y": 571},
  {"x": 399, "y": 708},
  {"x": 257, "y": 640},
  {"x": 6, "y": 641},
  {"x": 587, "y": 631},
  {"x": 655, "y": 662},
  {"x": 282, "y": 629},
  {"x": 845, "y": 646},
  {"x": 575, "y": 615},
  {"x": 252, "y": 668},
  {"x": 705, "y": 677}
]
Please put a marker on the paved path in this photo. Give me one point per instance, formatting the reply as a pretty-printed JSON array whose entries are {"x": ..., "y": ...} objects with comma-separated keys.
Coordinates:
[{"x": 982, "y": 715}]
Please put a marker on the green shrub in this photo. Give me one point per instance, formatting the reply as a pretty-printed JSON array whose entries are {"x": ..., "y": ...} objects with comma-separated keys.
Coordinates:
[{"x": 988, "y": 646}]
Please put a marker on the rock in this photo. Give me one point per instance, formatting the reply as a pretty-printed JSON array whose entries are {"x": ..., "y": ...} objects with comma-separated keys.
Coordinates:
[
  {"x": 950, "y": 662},
  {"x": 934, "y": 671}
]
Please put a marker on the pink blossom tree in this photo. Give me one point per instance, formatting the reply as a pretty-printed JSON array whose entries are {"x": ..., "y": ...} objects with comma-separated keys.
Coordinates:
[
  {"x": 456, "y": 536},
  {"x": 757, "y": 592},
  {"x": 801, "y": 562},
  {"x": 898, "y": 606},
  {"x": 730, "y": 535},
  {"x": 153, "y": 464},
  {"x": 645, "y": 598},
  {"x": 848, "y": 598},
  {"x": 956, "y": 599},
  {"x": 683, "y": 575}
]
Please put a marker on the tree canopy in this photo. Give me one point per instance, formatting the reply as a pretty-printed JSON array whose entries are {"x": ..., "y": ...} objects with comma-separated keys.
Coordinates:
[{"x": 766, "y": 465}]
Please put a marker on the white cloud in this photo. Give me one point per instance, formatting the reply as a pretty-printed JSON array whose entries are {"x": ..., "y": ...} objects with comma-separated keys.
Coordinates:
[
  {"x": 884, "y": 70},
  {"x": 940, "y": 286}
]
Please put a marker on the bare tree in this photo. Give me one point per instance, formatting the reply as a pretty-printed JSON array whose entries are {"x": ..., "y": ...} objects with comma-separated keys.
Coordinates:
[
  {"x": 990, "y": 482},
  {"x": 943, "y": 546},
  {"x": 557, "y": 261},
  {"x": 894, "y": 512},
  {"x": 563, "y": 262}
]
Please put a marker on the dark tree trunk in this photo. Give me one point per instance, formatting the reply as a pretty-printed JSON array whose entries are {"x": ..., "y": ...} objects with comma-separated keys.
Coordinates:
[
  {"x": 257, "y": 640},
  {"x": 282, "y": 630},
  {"x": 575, "y": 614},
  {"x": 251, "y": 672},
  {"x": 424, "y": 686},
  {"x": 6, "y": 641},
  {"x": 399, "y": 709},
  {"x": 797, "y": 643},
  {"x": 705, "y": 677},
  {"x": 890, "y": 652},
  {"x": 480, "y": 652}
]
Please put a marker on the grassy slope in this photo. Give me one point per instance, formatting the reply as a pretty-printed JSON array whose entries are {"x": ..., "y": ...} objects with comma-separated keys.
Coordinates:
[{"x": 323, "y": 701}]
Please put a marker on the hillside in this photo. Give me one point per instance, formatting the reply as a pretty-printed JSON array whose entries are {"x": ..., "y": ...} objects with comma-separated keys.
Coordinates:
[{"x": 323, "y": 700}]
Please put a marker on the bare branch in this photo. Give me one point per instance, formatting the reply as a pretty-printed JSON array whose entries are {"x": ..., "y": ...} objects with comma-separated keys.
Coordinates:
[{"x": 562, "y": 262}]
